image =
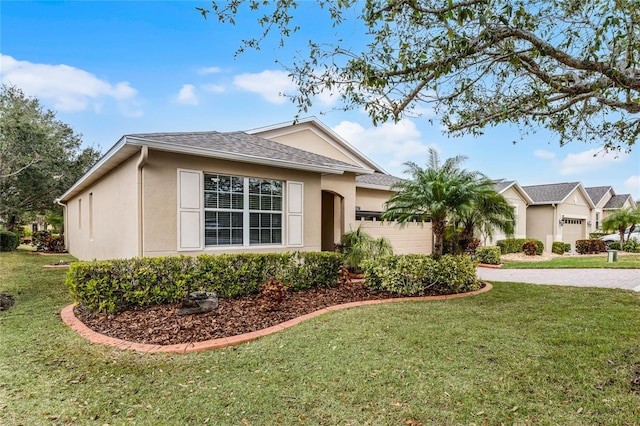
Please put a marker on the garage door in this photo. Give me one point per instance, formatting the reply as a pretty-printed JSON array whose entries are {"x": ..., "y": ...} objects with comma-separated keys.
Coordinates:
[{"x": 572, "y": 230}]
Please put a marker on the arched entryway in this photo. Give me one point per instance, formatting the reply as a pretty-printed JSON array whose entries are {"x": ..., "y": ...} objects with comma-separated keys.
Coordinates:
[{"x": 332, "y": 219}]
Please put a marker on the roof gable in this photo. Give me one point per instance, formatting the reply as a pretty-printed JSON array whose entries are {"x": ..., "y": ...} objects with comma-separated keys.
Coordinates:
[
  {"x": 320, "y": 140},
  {"x": 618, "y": 201},
  {"x": 555, "y": 193},
  {"x": 597, "y": 193},
  {"x": 502, "y": 185}
]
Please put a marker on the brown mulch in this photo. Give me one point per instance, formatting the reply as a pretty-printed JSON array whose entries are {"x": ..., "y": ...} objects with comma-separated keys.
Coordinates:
[
  {"x": 162, "y": 325},
  {"x": 6, "y": 301}
]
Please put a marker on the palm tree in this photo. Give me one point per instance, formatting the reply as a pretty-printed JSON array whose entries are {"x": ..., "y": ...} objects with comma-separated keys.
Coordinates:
[
  {"x": 490, "y": 212},
  {"x": 438, "y": 192},
  {"x": 622, "y": 219}
]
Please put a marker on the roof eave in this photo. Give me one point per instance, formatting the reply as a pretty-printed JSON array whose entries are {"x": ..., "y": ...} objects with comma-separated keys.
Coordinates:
[{"x": 245, "y": 158}]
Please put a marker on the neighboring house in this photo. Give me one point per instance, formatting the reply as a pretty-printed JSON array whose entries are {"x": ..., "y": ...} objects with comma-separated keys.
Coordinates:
[
  {"x": 605, "y": 200},
  {"x": 519, "y": 200},
  {"x": 559, "y": 212},
  {"x": 281, "y": 188}
]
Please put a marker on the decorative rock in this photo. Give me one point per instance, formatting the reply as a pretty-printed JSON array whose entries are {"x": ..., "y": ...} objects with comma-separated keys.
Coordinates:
[{"x": 198, "y": 302}]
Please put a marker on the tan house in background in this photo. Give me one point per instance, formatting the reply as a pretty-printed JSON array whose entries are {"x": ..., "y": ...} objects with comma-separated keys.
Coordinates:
[
  {"x": 283, "y": 188},
  {"x": 519, "y": 200},
  {"x": 559, "y": 212},
  {"x": 606, "y": 201}
]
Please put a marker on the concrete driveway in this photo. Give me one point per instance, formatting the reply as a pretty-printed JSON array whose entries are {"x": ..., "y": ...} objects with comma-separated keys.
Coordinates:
[{"x": 628, "y": 279}]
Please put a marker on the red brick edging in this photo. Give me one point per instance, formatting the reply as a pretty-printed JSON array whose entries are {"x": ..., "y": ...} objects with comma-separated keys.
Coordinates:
[
  {"x": 69, "y": 318},
  {"x": 488, "y": 265}
]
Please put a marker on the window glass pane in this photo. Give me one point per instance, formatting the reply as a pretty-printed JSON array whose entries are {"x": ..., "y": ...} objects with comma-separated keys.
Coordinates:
[
  {"x": 265, "y": 203},
  {"x": 236, "y": 236},
  {"x": 277, "y": 204},
  {"x": 210, "y": 182},
  {"x": 276, "y": 236},
  {"x": 224, "y": 237},
  {"x": 265, "y": 220},
  {"x": 224, "y": 184},
  {"x": 265, "y": 236},
  {"x": 276, "y": 188},
  {"x": 210, "y": 200},
  {"x": 237, "y": 201},
  {"x": 238, "y": 185},
  {"x": 236, "y": 220},
  {"x": 254, "y": 220},
  {"x": 254, "y": 186},
  {"x": 254, "y": 202},
  {"x": 254, "y": 236},
  {"x": 224, "y": 201},
  {"x": 224, "y": 219},
  {"x": 276, "y": 220},
  {"x": 265, "y": 187}
]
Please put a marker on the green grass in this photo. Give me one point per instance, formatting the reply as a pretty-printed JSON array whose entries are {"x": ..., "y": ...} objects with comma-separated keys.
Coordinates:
[
  {"x": 626, "y": 261},
  {"x": 519, "y": 354}
]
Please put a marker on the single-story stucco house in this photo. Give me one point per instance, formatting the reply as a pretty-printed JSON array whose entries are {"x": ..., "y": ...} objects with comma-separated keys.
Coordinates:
[
  {"x": 517, "y": 198},
  {"x": 606, "y": 201},
  {"x": 280, "y": 188},
  {"x": 559, "y": 212}
]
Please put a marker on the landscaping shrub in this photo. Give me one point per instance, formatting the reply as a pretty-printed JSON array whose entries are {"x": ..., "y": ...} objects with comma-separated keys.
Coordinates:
[
  {"x": 530, "y": 248},
  {"x": 414, "y": 275},
  {"x": 9, "y": 241},
  {"x": 273, "y": 293},
  {"x": 632, "y": 246},
  {"x": 113, "y": 285},
  {"x": 615, "y": 245},
  {"x": 590, "y": 246},
  {"x": 514, "y": 245},
  {"x": 489, "y": 255},
  {"x": 44, "y": 241},
  {"x": 559, "y": 247}
]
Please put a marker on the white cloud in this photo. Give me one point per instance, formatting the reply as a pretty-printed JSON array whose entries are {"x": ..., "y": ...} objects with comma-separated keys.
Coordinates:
[
  {"x": 271, "y": 85},
  {"x": 209, "y": 70},
  {"x": 69, "y": 88},
  {"x": 187, "y": 95},
  {"x": 213, "y": 88},
  {"x": 589, "y": 160},
  {"x": 544, "y": 154},
  {"x": 390, "y": 145},
  {"x": 633, "y": 183}
]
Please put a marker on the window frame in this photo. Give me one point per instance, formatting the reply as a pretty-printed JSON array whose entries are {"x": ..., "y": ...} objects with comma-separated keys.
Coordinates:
[{"x": 246, "y": 211}]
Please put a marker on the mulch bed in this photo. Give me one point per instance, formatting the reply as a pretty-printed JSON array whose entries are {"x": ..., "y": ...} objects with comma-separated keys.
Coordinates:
[
  {"x": 6, "y": 301},
  {"x": 162, "y": 325}
]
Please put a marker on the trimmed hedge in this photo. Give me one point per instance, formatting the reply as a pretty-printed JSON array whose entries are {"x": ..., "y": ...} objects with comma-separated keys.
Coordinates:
[
  {"x": 114, "y": 285},
  {"x": 9, "y": 241},
  {"x": 489, "y": 255},
  {"x": 590, "y": 246},
  {"x": 414, "y": 275},
  {"x": 558, "y": 247},
  {"x": 514, "y": 245}
]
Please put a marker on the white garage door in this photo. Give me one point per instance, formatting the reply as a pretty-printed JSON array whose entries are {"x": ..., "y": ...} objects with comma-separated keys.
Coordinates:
[{"x": 572, "y": 230}]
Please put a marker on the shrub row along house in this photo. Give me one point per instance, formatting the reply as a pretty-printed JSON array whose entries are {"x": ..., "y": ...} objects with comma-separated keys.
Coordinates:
[{"x": 280, "y": 188}]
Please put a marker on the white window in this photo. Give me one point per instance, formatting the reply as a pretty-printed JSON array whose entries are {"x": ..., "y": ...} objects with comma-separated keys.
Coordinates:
[{"x": 242, "y": 211}]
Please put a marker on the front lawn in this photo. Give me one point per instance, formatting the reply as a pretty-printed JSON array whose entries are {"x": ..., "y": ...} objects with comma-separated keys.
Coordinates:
[
  {"x": 519, "y": 354},
  {"x": 625, "y": 261}
]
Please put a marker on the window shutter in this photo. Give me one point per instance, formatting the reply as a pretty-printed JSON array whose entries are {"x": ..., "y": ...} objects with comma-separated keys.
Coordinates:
[
  {"x": 295, "y": 222},
  {"x": 189, "y": 210}
]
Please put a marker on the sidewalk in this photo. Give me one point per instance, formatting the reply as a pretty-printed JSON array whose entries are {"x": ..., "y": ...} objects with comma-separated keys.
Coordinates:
[{"x": 628, "y": 279}]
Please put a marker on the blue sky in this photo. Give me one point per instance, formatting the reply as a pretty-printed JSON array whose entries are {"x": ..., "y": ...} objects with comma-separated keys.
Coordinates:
[{"x": 114, "y": 68}]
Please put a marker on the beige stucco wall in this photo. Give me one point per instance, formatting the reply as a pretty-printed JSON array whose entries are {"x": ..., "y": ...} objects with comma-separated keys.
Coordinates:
[
  {"x": 514, "y": 198},
  {"x": 308, "y": 137},
  {"x": 541, "y": 222},
  {"x": 414, "y": 238},
  {"x": 599, "y": 211},
  {"x": 372, "y": 199},
  {"x": 105, "y": 227},
  {"x": 160, "y": 201}
]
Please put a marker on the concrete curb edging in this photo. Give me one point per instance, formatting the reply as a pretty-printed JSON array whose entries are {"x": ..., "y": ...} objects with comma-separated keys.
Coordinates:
[
  {"x": 69, "y": 318},
  {"x": 488, "y": 265}
]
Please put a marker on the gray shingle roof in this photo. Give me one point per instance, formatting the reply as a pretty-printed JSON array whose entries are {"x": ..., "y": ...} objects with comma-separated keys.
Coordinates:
[
  {"x": 379, "y": 179},
  {"x": 242, "y": 144},
  {"x": 617, "y": 201},
  {"x": 550, "y": 193},
  {"x": 597, "y": 192},
  {"x": 502, "y": 184}
]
